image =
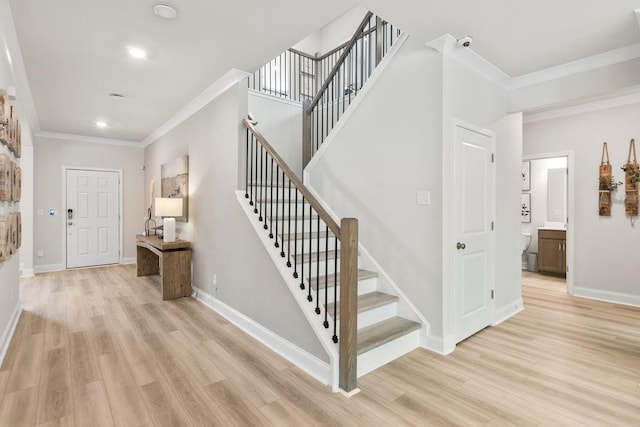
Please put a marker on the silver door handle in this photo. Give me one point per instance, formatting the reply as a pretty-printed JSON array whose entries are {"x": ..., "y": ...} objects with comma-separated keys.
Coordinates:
[
  {"x": 70, "y": 223},
  {"x": 461, "y": 246}
]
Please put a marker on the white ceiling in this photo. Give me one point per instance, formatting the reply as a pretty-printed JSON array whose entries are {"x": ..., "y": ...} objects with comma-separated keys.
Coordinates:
[{"x": 74, "y": 50}]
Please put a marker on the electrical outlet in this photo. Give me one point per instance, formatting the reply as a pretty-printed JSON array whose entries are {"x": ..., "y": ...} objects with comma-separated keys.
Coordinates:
[
  {"x": 215, "y": 280},
  {"x": 40, "y": 253},
  {"x": 423, "y": 198}
]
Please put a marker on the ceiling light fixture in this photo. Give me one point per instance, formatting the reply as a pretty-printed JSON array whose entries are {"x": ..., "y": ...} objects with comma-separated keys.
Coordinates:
[
  {"x": 165, "y": 11},
  {"x": 101, "y": 124},
  {"x": 136, "y": 52}
]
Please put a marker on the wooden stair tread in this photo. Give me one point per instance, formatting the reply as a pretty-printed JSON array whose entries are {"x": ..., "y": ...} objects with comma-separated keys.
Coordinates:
[
  {"x": 307, "y": 235},
  {"x": 367, "y": 302},
  {"x": 383, "y": 332},
  {"x": 313, "y": 217},
  {"x": 362, "y": 275}
]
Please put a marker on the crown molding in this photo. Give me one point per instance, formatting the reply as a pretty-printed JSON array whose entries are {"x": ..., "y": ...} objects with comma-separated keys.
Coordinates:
[
  {"x": 90, "y": 139},
  {"x": 232, "y": 77},
  {"x": 586, "y": 107},
  {"x": 16, "y": 64},
  {"x": 601, "y": 60}
]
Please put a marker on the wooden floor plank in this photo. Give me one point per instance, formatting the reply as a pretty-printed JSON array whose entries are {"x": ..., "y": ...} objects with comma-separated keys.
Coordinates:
[{"x": 98, "y": 347}]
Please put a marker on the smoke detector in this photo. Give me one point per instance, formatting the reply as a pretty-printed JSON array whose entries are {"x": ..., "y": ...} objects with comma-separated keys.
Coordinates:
[{"x": 165, "y": 11}]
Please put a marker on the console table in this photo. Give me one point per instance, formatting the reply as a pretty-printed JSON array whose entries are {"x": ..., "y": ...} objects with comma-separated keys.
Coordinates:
[{"x": 172, "y": 261}]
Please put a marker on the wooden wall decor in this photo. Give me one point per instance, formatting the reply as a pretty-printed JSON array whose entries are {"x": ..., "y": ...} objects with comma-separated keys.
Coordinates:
[
  {"x": 4, "y": 238},
  {"x": 6, "y": 178},
  {"x": 13, "y": 233},
  {"x": 604, "y": 199},
  {"x": 16, "y": 184},
  {"x": 10, "y": 134},
  {"x": 631, "y": 177},
  {"x": 19, "y": 229},
  {"x": 4, "y": 118}
]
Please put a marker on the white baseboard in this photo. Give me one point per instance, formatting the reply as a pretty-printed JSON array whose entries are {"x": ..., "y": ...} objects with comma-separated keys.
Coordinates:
[
  {"x": 507, "y": 311},
  {"x": 440, "y": 345},
  {"x": 8, "y": 332},
  {"x": 127, "y": 261},
  {"x": 614, "y": 297},
  {"x": 307, "y": 362},
  {"x": 27, "y": 273},
  {"x": 48, "y": 268}
]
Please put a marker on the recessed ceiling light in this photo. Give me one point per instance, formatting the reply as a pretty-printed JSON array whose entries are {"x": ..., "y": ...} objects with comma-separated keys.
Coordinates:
[
  {"x": 116, "y": 96},
  {"x": 165, "y": 11},
  {"x": 136, "y": 52},
  {"x": 101, "y": 124}
]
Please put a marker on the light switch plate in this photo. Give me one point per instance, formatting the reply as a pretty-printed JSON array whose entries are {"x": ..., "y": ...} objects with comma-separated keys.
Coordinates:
[{"x": 423, "y": 198}]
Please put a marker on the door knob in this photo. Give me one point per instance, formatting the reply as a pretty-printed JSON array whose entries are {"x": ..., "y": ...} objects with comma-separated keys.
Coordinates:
[
  {"x": 70, "y": 223},
  {"x": 461, "y": 245}
]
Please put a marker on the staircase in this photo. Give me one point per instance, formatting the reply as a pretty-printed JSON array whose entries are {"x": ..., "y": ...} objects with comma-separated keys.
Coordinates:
[{"x": 323, "y": 265}]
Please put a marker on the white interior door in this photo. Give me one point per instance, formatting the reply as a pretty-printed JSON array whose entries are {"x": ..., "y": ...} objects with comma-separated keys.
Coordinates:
[
  {"x": 92, "y": 218},
  {"x": 474, "y": 241}
]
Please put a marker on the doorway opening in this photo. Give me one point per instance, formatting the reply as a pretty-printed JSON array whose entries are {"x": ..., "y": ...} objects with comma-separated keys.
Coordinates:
[{"x": 547, "y": 217}]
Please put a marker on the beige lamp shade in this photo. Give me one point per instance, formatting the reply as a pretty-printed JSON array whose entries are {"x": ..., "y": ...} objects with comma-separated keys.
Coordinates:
[{"x": 168, "y": 206}]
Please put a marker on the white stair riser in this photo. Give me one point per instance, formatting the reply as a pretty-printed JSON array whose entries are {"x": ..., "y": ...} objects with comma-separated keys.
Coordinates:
[
  {"x": 315, "y": 269},
  {"x": 375, "y": 315},
  {"x": 379, "y": 356},
  {"x": 364, "y": 287},
  {"x": 303, "y": 245}
]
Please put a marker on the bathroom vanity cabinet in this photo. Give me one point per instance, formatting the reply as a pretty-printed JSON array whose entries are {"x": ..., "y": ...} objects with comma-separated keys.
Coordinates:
[{"x": 552, "y": 251}]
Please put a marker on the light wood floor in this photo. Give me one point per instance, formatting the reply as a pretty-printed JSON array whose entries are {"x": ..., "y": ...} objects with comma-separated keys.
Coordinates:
[{"x": 97, "y": 347}]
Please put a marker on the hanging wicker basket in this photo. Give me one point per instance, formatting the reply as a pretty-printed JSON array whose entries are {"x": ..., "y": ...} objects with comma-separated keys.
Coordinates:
[
  {"x": 16, "y": 184},
  {"x": 4, "y": 238},
  {"x": 6, "y": 178},
  {"x": 631, "y": 178}
]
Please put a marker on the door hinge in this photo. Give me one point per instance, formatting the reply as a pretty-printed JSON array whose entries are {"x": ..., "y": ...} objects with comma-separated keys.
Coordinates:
[
  {"x": 491, "y": 225},
  {"x": 491, "y": 293},
  {"x": 492, "y": 158}
]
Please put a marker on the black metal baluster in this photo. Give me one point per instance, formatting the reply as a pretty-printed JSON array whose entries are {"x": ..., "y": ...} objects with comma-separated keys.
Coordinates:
[
  {"x": 260, "y": 201},
  {"x": 309, "y": 297},
  {"x": 302, "y": 254},
  {"x": 277, "y": 245},
  {"x": 326, "y": 274},
  {"x": 318, "y": 267},
  {"x": 295, "y": 240},
  {"x": 289, "y": 229},
  {"x": 335, "y": 292},
  {"x": 246, "y": 171},
  {"x": 254, "y": 177},
  {"x": 270, "y": 227}
]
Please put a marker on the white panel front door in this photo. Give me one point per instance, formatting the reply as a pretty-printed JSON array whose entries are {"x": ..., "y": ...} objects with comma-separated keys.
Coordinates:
[
  {"x": 92, "y": 218},
  {"x": 474, "y": 247}
]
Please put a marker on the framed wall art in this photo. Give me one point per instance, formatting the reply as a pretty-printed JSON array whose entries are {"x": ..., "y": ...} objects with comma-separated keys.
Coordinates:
[
  {"x": 526, "y": 176},
  {"x": 175, "y": 183},
  {"x": 526, "y": 208}
]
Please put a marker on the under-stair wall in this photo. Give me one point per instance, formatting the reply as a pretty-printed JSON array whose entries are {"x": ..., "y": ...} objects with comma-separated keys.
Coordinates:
[
  {"x": 247, "y": 282},
  {"x": 389, "y": 147}
]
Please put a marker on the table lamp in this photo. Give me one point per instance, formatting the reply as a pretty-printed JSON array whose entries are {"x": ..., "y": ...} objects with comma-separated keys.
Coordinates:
[{"x": 168, "y": 208}]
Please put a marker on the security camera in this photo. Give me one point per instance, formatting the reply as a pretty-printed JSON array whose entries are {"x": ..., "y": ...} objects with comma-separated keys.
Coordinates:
[{"x": 465, "y": 41}]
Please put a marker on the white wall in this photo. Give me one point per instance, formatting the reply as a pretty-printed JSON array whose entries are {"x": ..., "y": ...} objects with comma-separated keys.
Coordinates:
[
  {"x": 224, "y": 243},
  {"x": 388, "y": 149},
  {"x": 280, "y": 121},
  {"x": 10, "y": 269},
  {"x": 605, "y": 248},
  {"x": 333, "y": 34},
  {"x": 470, "y": 97},
  {"x": 538, "y": 179},
  {"x": 50, "y": 155},
  {"x": 391, "y": 146}
]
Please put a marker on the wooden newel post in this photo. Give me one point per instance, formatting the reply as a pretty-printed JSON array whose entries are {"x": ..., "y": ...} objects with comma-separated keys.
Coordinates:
[
  {"x": 306, "y": 133},
  {"x": 348, "y": 304}
]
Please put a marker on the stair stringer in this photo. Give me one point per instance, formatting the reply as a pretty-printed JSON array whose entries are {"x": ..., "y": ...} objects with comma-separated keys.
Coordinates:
[
  {"x": 323, "y": 335},
  {"x": 405, "y": 308}
]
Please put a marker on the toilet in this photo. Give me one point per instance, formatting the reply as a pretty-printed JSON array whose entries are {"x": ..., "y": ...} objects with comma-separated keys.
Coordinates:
[{"x": 526, "y": 241}]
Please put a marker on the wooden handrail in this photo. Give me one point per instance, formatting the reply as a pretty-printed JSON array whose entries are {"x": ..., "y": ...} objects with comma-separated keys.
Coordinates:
[
  {"x": 322, "y": 213},
  {"x": 340, "y": 61}
]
